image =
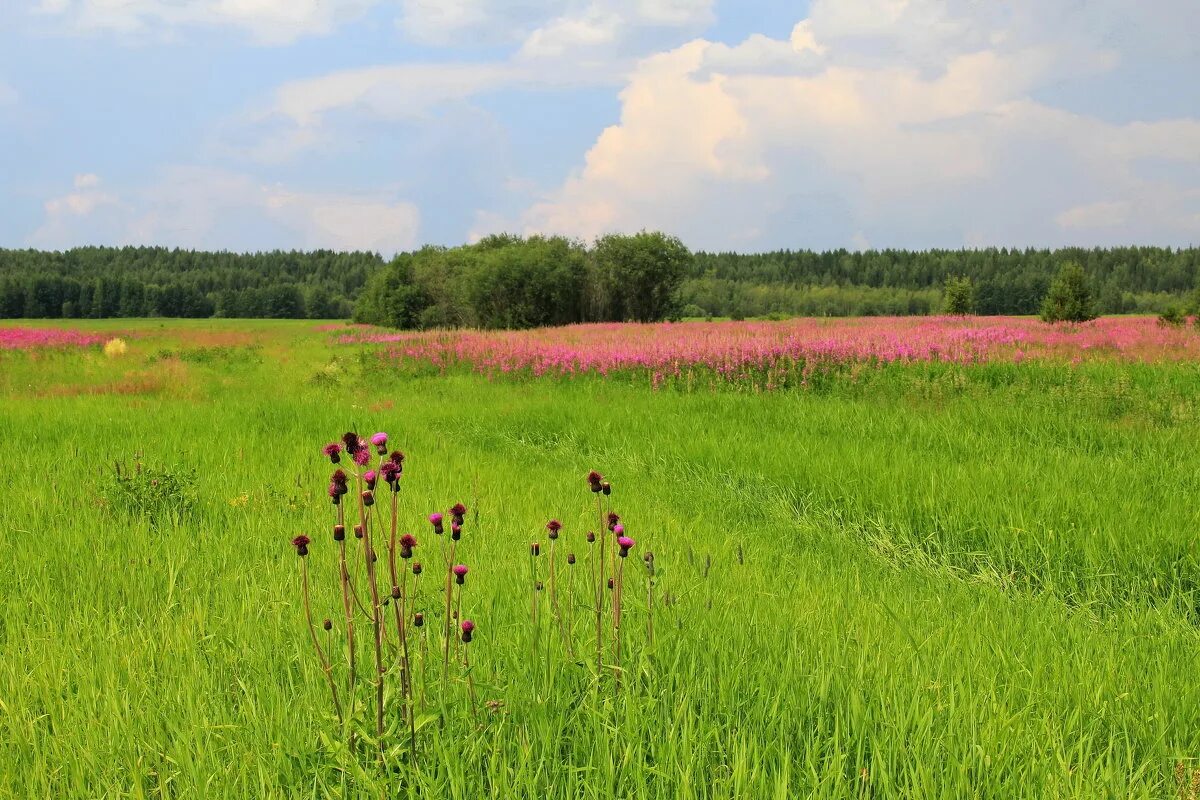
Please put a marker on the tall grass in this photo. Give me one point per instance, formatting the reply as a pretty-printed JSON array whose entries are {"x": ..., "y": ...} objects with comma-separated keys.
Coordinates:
[{"x": 939, "y": 582}]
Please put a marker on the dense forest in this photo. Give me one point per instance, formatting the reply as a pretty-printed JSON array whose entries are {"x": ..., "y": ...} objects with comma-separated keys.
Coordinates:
[
  {"x": 508, "y": 281},
  {"x": 96, "y": 282}
]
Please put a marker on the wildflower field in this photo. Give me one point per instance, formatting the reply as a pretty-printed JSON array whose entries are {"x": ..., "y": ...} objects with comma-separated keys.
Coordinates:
[{"x": 922, "y": 558}]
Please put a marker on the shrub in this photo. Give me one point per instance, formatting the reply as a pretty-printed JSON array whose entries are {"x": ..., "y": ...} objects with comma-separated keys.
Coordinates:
[{"x": 1069, "y": 298}]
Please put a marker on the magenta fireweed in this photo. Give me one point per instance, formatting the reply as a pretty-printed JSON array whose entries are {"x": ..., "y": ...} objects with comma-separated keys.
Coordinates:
[
  {"x": 771, "y": 355},
  {"x": 435, "y": 519},
  {"x": 301, "y": 543},
  {"x": 380, "y": 442},
  {"x": 37, "y": 338},
  {"x": 333, "y": 450},
  {"x": 460, "y": 573},
  {"x": 468, "y": 629},
  {"x": 625, "y": 543},
  {"x": 553, "y": 526}
]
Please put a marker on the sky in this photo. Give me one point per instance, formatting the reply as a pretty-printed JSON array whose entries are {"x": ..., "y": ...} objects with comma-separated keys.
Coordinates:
[{"x": 742, "y": 125}]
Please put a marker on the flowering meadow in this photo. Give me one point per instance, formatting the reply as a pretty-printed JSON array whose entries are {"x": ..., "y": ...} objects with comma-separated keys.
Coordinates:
[
  {"x": 37, "y": 338},
  {"x": 776, "y": 354},
  {"x": 254, "y": 559}
]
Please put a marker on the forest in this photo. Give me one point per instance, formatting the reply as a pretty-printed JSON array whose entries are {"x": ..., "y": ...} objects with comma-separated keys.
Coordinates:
[{"x": 514, "y": 282}]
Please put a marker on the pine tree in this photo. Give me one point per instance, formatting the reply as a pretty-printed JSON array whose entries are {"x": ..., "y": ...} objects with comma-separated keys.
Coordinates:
[{"x": 1069, "y": 298}]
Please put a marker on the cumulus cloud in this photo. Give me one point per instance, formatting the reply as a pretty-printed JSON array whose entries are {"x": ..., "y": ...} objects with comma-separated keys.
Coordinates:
[
  {"x": 266, "y": 21},
  {"x": 901, "y": 122},
  {"x": 199, "y": 207}
]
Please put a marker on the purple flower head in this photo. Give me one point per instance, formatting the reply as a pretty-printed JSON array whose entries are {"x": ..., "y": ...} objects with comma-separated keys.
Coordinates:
[
  {"x": 370, "y": 477},
  {"x": 380, "y": 442},
  {"x": 335, "y": 493},
  {"x": 397, "y": 458},
  {"x": 362, "y": 457},
  {"x": 455, "y": 531},
  {"x": 339, "y": 533},
  {"x": 468, "y": 628},
  {"x": 368, "y": 499},
  {"x": 457, "y": 512},
  {"x": 390, "y": 471},
  {"x": 625, "y": 543},
  {"x": 435, "y": 519},
  {"x": 407, "y": 543},
  {"x": 460, "y": 573},
  {"x": 351, "y": 442},
  {"x": 613, "y": 519},
  {"x": 301, "y": 545},
  {"x": 332, "y": 450},
  {"x": 339, "y": 477},
  {"x": 594, "y": 481},
  {"x": 554, "y": 526},
  {"x": 618, "y": 529}
]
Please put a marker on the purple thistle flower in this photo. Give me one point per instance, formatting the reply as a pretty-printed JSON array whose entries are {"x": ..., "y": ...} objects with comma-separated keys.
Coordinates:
[
  {"x": 618, "y": 529},
  {"x": 407, "y": 543},
  {"x": 339, "y": 478},
  {"x": 398, "y": 459},
  {"x": 362, "y": 457},
  {"x": 435, "y": 519},
  {"x": 594, "y": 481},
  {"x": 457, "y": 512},
  {"x": 370, "y": 477},
  {"x": 332, "y": 450},
  {"x": 554, "y": 526},
  {"x": 351, "y": 441},
  {"x": 460, "y": 573},
  {"x": 468, "y": 628},
  {"x": 380, "y": 442},
  {"x": 613, "y": 519},
  {"x": 456, "y": 530},
  {"x": 301, "y": 545},
  {"x": 625, "y": 543},
  {"x": 335, "y": 494}
]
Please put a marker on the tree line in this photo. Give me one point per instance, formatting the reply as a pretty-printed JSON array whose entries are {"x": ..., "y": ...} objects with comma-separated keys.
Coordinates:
[
  {"x": 100, "y": 282},
  {"x": 514, "y": 282}
]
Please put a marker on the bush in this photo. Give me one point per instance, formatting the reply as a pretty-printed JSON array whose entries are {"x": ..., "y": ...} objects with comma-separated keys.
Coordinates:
[
  {"x": 1172, "y": 317},
  {"x": 1069, "y": 298},
  {"x": 155, "y": 493}
]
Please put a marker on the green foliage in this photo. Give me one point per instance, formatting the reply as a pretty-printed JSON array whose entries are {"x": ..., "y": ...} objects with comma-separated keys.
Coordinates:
[
  {"x": 1172, "y": 317},
  {"x": 512, "y": 282},
  {"x": 1069, "y": 298},
  {"x": 958, "y": 296},
  {"x": 159, "y": 495}
]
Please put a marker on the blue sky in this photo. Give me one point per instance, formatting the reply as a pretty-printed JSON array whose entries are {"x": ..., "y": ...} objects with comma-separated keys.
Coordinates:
[{"x": 741, "y": 125}]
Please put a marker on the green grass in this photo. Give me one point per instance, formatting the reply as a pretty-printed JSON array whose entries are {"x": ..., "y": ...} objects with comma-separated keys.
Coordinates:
[{"x": 921, "y": 582}]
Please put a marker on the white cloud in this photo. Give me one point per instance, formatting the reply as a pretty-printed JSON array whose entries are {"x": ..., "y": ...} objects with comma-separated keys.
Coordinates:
[
  {"x": 207, "y": 208},
  {"x": 266, "y": 21},
  {"x": 900, "y": 122}
]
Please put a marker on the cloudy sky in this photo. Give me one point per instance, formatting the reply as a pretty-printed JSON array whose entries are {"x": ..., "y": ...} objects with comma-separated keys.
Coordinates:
[{"x": 734, "y": 124}]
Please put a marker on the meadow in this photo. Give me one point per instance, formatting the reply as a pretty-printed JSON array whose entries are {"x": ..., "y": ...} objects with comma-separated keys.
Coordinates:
[{"x": 969, "y": 570}]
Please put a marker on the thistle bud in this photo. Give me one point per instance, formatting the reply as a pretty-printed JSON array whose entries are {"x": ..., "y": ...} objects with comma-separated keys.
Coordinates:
[
  {"x": 395, "y": 592},
  {"x": 339, "y": 533},
  {"x": 606, "y": 487},
  {"x": 456, "y": 530},
  {"x": 535, "y": 549},
  {"x": 370, "y": 477},
  {"x": 591, "y": 537},
  {"x": 358, "y": 531},
  {"x": 610, "y": 583},
  {"x": 594, "y": 480},
  {"x": 418, "y": 619},
  {"x": 327, "y": 624},
  {"x": 416, "y": 568},
  {"x": 570, "y": 558},
  {"x": 368, "y": 498},
  {"x": 468, "y": 628},
  {"x": 435, "y": 520},
  {"x": 460, "y": 573},
  {"x": 624, "y": 543},
  {"x": 301, "y": 545}
]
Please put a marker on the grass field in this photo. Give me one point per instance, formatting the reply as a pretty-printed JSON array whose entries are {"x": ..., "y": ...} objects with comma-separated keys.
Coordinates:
[{"x": 923, "y": 580}]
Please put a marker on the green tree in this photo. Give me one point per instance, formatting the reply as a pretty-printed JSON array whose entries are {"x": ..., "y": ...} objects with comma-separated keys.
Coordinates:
[
  {"x": 958, "y": 296},
  {"x": 1069, "y": 298},
  {"x": 639, "y": 276}
]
